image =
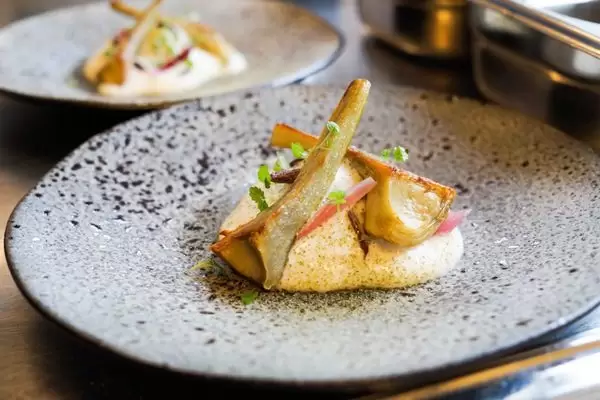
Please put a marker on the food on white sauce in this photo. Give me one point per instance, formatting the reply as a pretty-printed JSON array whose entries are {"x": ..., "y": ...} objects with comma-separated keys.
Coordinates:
[
  {"x": 337, "y": 218},
  {"x": 160, "y": 55}
]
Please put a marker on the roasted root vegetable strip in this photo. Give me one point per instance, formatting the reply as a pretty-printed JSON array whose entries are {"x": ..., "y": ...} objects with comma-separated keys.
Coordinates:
[
  {"x": 327, "y": 211},
  {"x": 125, "y": 9},
  {"x": 259, "y": 249},
  {"x": 404, "y": 208}
]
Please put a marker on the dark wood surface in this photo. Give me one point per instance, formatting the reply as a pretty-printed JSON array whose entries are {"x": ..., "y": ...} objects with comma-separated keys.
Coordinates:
[{"x": 39, "y": 360}]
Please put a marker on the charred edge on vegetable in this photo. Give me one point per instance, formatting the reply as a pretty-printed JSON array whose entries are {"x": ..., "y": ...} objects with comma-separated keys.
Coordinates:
[
  {"x": 285, "y": 176},
  {"x": 295, "y": 162},
  {"x": 364, "y": 245}
]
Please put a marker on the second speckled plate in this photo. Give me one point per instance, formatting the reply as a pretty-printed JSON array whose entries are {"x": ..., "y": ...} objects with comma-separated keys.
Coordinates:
[
  {"x": 41, "y": 56},
  {"x": 105, "y": 242}
]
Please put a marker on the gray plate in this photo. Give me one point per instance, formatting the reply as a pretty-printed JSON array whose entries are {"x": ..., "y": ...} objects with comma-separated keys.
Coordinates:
[
  {"x": 41, "y": 56},
  {"x": 105, "y": 242}
]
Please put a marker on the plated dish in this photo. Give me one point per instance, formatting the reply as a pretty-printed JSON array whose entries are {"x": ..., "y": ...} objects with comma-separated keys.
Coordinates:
[
  {"x": 160, "y": 54},
  {"x": 114, "y": 242},
  {"x": 187, "y": 50},
  {"x": 338, "y": 218}
]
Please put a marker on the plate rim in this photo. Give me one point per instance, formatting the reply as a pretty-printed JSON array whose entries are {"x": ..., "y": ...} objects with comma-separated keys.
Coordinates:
[
  {"x": 375, "y": 383},
  {"x": 150, "y": 104}
]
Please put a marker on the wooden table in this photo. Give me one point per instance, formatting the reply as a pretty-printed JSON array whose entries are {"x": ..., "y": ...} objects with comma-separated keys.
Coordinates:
[{"x": 39, "y": 360}]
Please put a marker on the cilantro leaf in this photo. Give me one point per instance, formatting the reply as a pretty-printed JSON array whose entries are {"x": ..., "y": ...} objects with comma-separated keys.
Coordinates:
[
  {"x": 249, "y": 296},
  {"x": 264, "y": 175},
  {"x": 298, "y": 151},
  {"x": 258, "y": 196}
]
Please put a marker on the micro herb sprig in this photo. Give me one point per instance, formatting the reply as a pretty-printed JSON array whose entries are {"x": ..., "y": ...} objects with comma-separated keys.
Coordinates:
[
  {"x": 258, "y": 196},
  {"x": 298, "y": 151},
  {"x": 264, "y": 175},
  {"x": 337, "y": 197},
  {"x": 397, "y": 153},
  {"x": 333, "y": 130},
  {"x": 249, "y": 297}
]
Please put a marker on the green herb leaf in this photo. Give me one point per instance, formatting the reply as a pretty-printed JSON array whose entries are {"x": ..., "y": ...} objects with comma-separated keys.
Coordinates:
[
  {"x": 189, "y": 62},
  {"x": 280, "y": 163},
  {"x": 249, "y": 296},
  {"x": 258, "y": 196},
  {"x": 337, "y": 197},
  {"x": 386, "y": 153},
  {"x": 204, "y": 264},
  {"x": 264, "y": 175},
  {"x": 398, "y": 153},
  {"x": 298, "y": 151},
  {"x": 333, "y": 128}
]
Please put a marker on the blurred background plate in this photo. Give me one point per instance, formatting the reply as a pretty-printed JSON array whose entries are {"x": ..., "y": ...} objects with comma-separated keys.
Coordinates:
[{"x": 41, "y": 56}]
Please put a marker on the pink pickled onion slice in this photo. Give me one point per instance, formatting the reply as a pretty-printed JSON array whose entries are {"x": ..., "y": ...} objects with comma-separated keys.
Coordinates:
[
  {"x": 328, "y": 210},
  {"x": 454, "y": 219},
  {"x": 176, "y": 60}
]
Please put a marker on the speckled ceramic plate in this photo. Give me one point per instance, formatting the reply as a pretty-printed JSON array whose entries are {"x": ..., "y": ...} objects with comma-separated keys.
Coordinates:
[
  {"x": 105, "y": 242},
  {"x": 41, "y": 56}
]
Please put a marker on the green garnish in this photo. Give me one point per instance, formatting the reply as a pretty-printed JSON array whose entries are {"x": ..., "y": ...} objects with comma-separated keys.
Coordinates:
[
  {"x": 264, "y": 175},
  {"x": 280, "y": 163},
  {"x": 249, "y": 296},
  {"x": 204, "y": 264},
  {"x": 337, "y": 197},
  {"x": 189, "y": 62},
  {"x": 398, "y": 153},
  {"x": 298, "y": 151},
  {"x": 258, "y": 196},
  {"x": 333, "y": 128}
]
